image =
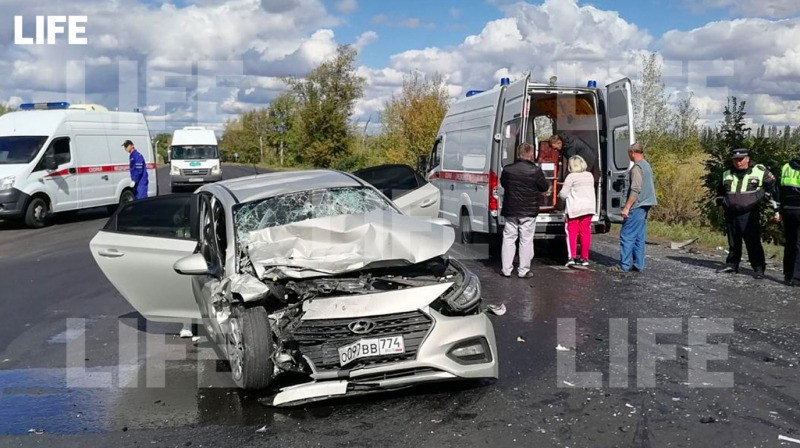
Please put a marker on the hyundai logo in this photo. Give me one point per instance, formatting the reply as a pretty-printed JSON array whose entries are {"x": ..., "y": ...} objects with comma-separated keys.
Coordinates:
[{"x": 362, "y": 326}]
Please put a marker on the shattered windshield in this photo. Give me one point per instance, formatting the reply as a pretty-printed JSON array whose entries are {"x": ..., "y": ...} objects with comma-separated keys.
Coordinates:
[{"x": 302, "y": 205}]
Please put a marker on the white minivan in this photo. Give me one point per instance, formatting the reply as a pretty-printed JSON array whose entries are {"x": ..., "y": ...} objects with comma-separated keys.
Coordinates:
[
  {"x": 194, "y": 158},
  {"x": 481, "y": 133},
  {"x": 57, "y": 157}
]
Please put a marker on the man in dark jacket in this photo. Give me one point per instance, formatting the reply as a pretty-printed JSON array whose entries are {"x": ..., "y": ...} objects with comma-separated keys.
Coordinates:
[
  {"x": 739, "y": 195},
  {"x": 790, "y": 214},
  {"x": 571, "y": 146},
  {"x": 523, "y": 184}
]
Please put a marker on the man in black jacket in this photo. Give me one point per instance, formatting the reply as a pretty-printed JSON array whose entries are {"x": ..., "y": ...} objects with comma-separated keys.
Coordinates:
[
  {"x": 790, "y": 214},
  {"x": 523, "y": 184},
  {"x": 571, "y": 146}
]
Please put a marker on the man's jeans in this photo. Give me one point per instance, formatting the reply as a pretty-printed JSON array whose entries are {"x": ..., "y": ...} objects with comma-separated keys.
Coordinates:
[
  {"x": 523, "y": 228},
  {"x": 632, "y": 239}
]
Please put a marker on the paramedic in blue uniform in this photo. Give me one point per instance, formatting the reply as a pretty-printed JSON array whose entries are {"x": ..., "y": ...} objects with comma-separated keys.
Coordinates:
[{"x": 138, "y": 171}]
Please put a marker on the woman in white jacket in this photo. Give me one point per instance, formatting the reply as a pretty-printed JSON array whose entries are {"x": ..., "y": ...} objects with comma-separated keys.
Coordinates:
[{"x": 578, "y": 190}]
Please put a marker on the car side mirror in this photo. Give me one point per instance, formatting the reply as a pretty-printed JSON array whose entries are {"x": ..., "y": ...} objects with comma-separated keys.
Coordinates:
[
  {"x": 50, "y": 162},
  {"x": 194, "y": 264},
  {"x": 422, "y": 164}
]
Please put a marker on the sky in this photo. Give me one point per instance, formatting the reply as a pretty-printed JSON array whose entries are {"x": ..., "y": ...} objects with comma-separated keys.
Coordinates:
[{"x": 185, "y": 62}]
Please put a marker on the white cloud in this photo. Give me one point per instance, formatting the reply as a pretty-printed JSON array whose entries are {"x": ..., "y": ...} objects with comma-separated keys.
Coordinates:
[
  {"x": 455, "y": 12},
  {"x": 366, "y": 38},
  {"x": 347, "y": 6},
  {"x": 750, "y": 8}
]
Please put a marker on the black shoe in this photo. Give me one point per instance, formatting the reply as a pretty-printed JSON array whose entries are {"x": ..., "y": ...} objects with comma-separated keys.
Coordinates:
[
  {"x": 728, "y": 270},
  {"x": 582, "y": 262},
  {"x": 759, "y": 274},
  {"x": 617, "y": 270},
  {"x": 789, "y": 282}
]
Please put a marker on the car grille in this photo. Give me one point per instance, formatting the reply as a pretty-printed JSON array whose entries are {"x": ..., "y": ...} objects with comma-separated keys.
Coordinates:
[
  {"x": 319, "y": 340},
  {"x": 195, "y": 172}
]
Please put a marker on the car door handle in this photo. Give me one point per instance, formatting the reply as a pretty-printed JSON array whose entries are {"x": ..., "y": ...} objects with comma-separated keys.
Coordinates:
[
  {"x": 73, "y": 171},
  {"x": 452, "y": 187},
  {"x": 427, "y": 203},
  {"x": 110, "y": 253},
  {"x": 104, "y": 177}
]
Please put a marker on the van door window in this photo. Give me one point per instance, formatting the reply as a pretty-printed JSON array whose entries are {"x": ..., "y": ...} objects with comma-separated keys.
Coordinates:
[
  {"x": 436, "y": 154},
  {"x": 59, "y": 148},
  {"x": 622, "y": 141},
  {"x": 511, "y": 139}
]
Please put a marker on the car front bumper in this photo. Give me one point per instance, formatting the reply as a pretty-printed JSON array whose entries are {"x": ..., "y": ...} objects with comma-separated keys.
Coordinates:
[
  {"x": 12, "y": 203},
  {"x": 431, "y": 364}
]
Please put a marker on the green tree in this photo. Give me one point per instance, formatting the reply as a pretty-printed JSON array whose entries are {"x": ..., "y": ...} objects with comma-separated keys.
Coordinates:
[
  {"x": 162, "y": 142},
  {"x": 320, "y": 134},
  {"x": 4, "y": 109},
  {"x": 412, "y": 118},
  {"x": 652, "y": 114}
]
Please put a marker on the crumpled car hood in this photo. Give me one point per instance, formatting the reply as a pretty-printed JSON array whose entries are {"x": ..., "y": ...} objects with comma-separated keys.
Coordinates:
[{"x": 344, "y": 243}]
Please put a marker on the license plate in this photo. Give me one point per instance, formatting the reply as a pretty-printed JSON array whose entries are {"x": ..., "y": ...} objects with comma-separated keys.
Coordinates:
[
  {"x": 195, "y": 179},
  {"x": 364, "y": 348}
]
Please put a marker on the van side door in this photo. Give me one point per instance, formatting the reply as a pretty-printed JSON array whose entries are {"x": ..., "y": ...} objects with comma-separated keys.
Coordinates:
[
  {"x": 61, "y": 184},
  {"x": 620, "y": 135},
  {"x": 96, "y": 170}
]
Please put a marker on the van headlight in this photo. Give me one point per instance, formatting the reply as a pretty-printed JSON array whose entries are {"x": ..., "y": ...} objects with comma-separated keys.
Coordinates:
[
  {"x": 174, "y": 170},
  {"x": 216, "y": 169},
  {"x": 7, "y": 183}
]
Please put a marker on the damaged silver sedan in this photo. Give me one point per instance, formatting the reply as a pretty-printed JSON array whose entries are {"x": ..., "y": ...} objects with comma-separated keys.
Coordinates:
[{"x": 312, "y": 272}]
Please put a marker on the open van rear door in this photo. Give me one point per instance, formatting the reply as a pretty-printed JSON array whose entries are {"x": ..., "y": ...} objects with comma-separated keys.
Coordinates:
[
  {"x": 621, "y": 135},
  {"x": 512, "y": 129}
]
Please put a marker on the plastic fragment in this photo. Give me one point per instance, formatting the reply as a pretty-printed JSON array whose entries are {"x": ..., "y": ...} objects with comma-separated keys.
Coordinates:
[
  {"x": 561, "y": 348},
  {"x": 497, "y": 310}
]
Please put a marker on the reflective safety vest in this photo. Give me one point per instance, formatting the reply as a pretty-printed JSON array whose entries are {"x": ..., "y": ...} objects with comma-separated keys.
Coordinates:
[
  {"x": 790, "y": 177},
  {"x": 735, "y": 185}
]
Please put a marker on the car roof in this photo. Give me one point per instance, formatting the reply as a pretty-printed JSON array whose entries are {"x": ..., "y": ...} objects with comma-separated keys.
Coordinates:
[{"x": 246, "y": 189}]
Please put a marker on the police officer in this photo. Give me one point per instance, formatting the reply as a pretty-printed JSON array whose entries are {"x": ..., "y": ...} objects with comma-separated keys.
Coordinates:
[
  {"x": 740, "y": 193},
  {"x": 138, "y": 171},
  {"x": 790, "y": 214}
]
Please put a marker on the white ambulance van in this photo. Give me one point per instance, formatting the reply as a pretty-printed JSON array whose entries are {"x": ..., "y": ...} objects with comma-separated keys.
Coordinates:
[
  {"x": 57, "y": 157},
  {"x": 194, "y": 158},
  {"x": 481, "y": 132}
]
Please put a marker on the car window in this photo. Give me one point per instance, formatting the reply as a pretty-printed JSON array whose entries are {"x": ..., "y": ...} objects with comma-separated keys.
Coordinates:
[
  {"x": 165, "y": 216},
  {"x": 208, "y": 246},
  {"x": 436, "y": 154},
  {"x": 22, "y": 149},
  {"x": 392, "y": 180},
  {"x": 220, "y": 233},
  {"x": 300, "y": 206}
]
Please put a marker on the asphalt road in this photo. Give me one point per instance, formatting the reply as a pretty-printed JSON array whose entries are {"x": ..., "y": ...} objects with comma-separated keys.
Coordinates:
[{"x": 48, "y": 276}]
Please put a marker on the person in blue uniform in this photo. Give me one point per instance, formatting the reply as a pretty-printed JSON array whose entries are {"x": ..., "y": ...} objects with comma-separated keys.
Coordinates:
[{"x": 138, "y": 171}]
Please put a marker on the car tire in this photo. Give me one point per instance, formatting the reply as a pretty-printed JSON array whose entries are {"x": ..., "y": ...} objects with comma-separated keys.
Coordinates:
[
  {"x": 249, "y": 348},
  {"x": 126, "y": 196},
  {"x": 37, "y": 214},
  {"x": 465, "y": 230}
]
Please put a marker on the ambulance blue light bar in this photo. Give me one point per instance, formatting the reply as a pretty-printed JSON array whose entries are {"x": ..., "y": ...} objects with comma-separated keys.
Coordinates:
[
  {"x": 474, "y": 92},
  {"x": 44, "y": 106}
]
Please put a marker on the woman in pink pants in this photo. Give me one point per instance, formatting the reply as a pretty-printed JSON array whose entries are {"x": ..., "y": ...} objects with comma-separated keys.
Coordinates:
[{"x": 578, "y": 190}]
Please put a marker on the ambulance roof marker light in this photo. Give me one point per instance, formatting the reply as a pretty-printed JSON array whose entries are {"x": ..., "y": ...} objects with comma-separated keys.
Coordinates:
[
  {"x": 44, "y": 106},
  {"x": 505, "y": 81},
  {"x": 473, "y": 92}
]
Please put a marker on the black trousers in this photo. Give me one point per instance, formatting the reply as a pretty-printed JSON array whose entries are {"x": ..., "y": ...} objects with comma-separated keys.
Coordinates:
[
  {"x": 745, "y": 227},
  {"x": 791, "y": 250}
]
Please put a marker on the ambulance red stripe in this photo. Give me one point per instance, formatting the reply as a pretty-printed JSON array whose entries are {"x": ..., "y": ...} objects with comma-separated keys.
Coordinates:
[{"x": 98, "y": 169}]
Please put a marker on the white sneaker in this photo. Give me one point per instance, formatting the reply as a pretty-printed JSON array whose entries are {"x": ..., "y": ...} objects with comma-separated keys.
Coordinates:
[
  {"x": 570, "y": 263},
  {"x": 186, "y": 333}
]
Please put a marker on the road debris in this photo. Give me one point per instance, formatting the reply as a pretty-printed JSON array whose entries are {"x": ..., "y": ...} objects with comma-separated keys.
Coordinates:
[
  {"x": 520, "y": 339},
  {"x": 261, "y": 430},
  {"x": 195, "y": 338},
  {"x": 681, "y": 244},
  {"x": 38, "y": 432},
  {"x": 788, "y": 439},
  {"x": 497, "y": 310},
  {"x": 561, "y": 348}
]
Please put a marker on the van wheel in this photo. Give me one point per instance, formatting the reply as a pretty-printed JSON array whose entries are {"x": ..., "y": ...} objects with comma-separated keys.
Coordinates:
[
  {"x": 37, "y": 213},
  {"x": 249, "y": 347},
  {"x": 465, "y": 229},
  {"x": 124, "y": 198}
]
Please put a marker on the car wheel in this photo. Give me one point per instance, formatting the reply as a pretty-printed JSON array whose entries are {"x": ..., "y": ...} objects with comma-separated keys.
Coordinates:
[
  {"x": 37, "y": 213},
  {"x": 249, "y": 347},
  {"x": 465, "y": 229}
]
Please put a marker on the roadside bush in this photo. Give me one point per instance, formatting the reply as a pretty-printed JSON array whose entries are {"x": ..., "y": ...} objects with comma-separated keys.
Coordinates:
[{"x": 679, "y": 188}]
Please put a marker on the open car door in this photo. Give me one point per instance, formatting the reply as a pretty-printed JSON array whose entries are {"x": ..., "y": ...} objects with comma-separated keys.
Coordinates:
[
  {"x": 412, "y": 194},
  {"x": 137, "y": 249},
  {"x": 621, "y": 135}
]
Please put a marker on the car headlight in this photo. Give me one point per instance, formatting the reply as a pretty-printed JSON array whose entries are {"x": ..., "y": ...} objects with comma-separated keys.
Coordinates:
[
  {"x": 174, "y": 170},
  {"x": 7, "y": 183},
  {"x": 471, "y": 351},
  {"x": 468, "y": 296},
  {"x": 216, "y": 169}
]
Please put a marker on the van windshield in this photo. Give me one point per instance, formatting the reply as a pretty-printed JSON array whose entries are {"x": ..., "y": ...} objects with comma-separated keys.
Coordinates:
[
  {"x": 22, "y": 150},
  {"x": 188, "y": 152}
]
